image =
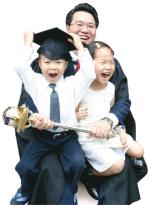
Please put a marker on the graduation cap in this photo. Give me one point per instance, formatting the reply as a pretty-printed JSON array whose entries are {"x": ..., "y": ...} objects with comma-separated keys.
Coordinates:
[{"x": 54, "y": 44}]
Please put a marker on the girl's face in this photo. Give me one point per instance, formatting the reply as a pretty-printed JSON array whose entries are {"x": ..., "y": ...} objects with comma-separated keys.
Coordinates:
[
  {"x": 52, "y": 70},
  {"x": 104, "y": 65}
]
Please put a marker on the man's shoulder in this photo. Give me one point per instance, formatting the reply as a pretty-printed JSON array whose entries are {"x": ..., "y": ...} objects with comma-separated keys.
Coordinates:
[
  {"x": 118, "y": 73},
  {"x": 118, "y": 65}
]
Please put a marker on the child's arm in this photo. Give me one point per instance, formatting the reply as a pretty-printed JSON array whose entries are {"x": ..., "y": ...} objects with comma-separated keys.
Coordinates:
[
  {"x": 77, "y": 42},
  {"x": 23, "y": 68},
  {"x": 25, "y": 57},
  {"x": 28, "y": 39},
  {"x": 86, "y": 74}
]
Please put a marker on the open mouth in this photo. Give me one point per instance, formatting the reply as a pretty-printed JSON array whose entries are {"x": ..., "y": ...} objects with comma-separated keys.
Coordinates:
[
  {"x": 52, "y": 75},
  {"x": 105, "y": 75}
]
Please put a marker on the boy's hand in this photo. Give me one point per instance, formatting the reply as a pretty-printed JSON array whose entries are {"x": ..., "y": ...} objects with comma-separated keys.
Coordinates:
[
  {"x": 28, "y": 38},
  {"x": 77, "y": 42},
  {"x": 40, "y": 122}
]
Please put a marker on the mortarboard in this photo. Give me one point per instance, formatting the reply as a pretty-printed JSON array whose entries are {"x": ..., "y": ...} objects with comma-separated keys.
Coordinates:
[{"x": 54, "y": 43}]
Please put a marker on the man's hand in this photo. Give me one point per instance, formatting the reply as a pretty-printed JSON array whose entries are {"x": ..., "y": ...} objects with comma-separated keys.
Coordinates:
[
  {"x": 123, "y": 138},
  {"x": 101, "y": 129}
]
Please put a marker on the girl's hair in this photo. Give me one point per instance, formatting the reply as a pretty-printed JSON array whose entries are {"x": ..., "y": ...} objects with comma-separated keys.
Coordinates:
[{"x": 92, "y": 47}]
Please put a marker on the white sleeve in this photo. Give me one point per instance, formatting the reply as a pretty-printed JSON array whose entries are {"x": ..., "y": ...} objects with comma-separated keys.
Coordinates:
[
  {"x": 24, "y": 70},
  {"x": 85, "y": 76},
  {"x": 114, "y": 118}
]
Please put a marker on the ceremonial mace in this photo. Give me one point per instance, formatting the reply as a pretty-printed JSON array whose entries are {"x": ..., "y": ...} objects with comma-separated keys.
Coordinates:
[{"x": 19, "y": 118}]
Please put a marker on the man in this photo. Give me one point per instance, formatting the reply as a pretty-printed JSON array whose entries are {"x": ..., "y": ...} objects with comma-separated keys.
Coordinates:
[{"x": 83, "y": 20}]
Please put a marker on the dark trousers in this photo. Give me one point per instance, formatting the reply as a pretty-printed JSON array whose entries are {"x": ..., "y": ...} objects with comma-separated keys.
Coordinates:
[
  {"x": 70, "y": 154},
  {"x": 120, "y": 189}
]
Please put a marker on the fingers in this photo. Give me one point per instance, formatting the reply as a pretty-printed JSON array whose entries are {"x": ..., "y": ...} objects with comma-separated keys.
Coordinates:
[
  {"x": 101, "y": 129},
  {"x": 40, "y": 122},
  {"x": 83, "y": 112},
  {"x": 123, "y": 139},
  {"x": 77, "y": 42}
]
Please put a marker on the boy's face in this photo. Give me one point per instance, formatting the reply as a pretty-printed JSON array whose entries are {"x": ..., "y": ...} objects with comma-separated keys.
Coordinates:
[
  {"x": 83, "y": 24},
  {"x": 52, "y": 70},
  {"x": 104, "y": 65}
]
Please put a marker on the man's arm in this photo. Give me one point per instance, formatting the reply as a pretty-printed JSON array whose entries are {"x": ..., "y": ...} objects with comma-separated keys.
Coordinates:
[{"x": 122, "y": 103}]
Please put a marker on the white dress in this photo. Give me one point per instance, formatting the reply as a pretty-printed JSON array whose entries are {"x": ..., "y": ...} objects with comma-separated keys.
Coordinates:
[{"x": 101, "y": 153}]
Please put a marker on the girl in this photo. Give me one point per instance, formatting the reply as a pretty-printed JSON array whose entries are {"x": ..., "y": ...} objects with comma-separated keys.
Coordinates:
[{"x": 105, "y": 150}]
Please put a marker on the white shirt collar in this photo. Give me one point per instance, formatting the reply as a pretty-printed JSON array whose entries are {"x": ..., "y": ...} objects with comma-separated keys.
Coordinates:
[{"x": 58, "y": 83}]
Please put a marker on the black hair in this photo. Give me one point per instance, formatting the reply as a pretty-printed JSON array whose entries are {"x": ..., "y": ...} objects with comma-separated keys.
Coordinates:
[
  {"x": 92, "y": 47},
  {"x": 82, "y": 7}
]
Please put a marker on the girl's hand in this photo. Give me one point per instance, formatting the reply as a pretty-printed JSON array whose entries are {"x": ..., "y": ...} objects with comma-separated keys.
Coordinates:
[{"x": 82, "y": 113}]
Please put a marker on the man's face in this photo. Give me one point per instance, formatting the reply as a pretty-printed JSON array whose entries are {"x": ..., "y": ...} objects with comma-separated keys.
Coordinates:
[{"x": 83, "y": 24}]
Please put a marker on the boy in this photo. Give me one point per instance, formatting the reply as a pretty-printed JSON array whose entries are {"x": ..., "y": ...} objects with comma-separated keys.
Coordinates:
[
  {"x": 53, "y": 60},
  {"x": 104, "y": 153}
]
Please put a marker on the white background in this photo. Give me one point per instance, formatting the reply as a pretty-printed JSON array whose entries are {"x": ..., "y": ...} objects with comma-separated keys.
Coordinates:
[{"x": 123, "y": 24}]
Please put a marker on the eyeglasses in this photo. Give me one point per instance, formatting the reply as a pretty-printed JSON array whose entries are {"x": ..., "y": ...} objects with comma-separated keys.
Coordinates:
[{"x": 80, "y": 25}]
